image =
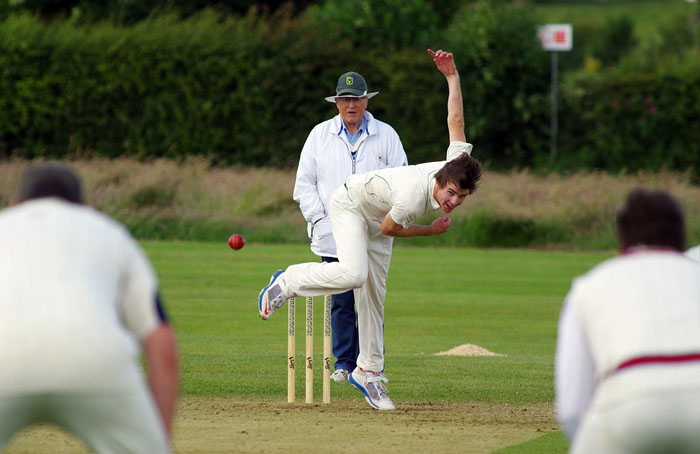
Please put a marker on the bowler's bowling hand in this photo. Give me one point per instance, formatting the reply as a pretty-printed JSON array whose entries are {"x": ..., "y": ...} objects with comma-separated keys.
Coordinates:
[
  {"x": 444, "y": 62},
  {"x": 441, "y": 224}
]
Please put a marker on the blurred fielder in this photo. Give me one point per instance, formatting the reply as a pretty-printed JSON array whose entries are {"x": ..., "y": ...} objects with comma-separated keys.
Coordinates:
[
  {"x": 79, "y": 299},
  {"x": 366, "y": 212},
  {"x": 628, "y": 351}
]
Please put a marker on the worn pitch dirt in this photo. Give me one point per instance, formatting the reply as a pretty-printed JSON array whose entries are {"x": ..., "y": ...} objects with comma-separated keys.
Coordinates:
[{"x": 232, "y": 425}]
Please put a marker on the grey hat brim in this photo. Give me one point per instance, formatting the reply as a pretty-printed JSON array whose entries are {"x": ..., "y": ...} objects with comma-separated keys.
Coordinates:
[{"x": 369, "y": 95}]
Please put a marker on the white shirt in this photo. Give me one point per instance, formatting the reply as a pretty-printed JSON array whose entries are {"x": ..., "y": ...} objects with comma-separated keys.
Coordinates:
[
  {"x": 640, "y": 304},
  {"x": 406, "y": 193},
  {"x": 76, "y": 295},
  {"x": 326, "y": 161},
  {"x": 693, "y": 253}
]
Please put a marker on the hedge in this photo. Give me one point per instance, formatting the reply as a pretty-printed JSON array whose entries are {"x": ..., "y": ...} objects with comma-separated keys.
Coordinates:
[
  {"x": 247, "y": 90},
  {"x": 632, "y": 122},
  {"x": 162, "y": 88}
]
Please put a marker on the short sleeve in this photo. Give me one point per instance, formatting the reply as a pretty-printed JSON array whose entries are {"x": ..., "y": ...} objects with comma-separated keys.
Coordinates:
[
  {"x": 407, "y": 207},
  {"x": 139, "y": 301},
  {"x": 457, "y": 149},
  {"x": 401, "y": 216}
]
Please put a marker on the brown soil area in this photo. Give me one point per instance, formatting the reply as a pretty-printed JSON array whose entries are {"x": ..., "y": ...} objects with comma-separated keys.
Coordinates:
[{"x": 231, "y": 425}]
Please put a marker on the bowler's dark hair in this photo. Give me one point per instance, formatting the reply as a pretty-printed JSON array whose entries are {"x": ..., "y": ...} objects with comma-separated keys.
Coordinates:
[
  {"x": 50, "y": 180},
  {"x": 651, "y": 218},
  {"x": 464, "y": 172}
]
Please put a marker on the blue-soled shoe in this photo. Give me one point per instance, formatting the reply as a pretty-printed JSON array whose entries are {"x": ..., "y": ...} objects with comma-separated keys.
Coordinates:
[
  {"x": 270, "y": 298},
  {"x": 371, "y": 384}
]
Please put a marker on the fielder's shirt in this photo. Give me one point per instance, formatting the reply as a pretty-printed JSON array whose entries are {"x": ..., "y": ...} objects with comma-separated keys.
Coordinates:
[
  {"x": 77, "y": 294},
  {"x": 641, "y": 304}
]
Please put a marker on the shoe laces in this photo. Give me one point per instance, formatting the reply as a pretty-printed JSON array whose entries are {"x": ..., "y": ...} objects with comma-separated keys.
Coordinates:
[
  {"x": 376, "y": 381},
  {"x": 372, "y": 378},
  {"x": 275, "y": 297},
  {"x": 377, "y": 390}
]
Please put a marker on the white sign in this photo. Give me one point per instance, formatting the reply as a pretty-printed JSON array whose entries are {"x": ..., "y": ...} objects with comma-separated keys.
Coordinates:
[{"x": 556, "y": 37}]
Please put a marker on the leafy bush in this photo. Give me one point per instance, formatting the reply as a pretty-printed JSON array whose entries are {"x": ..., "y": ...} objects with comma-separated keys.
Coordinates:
[
  {"x": 133, "y": 11},
  {"x": 675, "y": 46},
  {"x": 163, "y": 87},
  {"x": 585, "y": 31},
  {"x": 222, "y": 87},
  {"x": 678, "y": 34},
  {"x": 385, "y": 24},
  {"x": 624, "y": 121},
  {"x": 414, "y": 102},
  {"x": 247, "y": 90},
  {"x": 505, "y": 79},
  {"x": 614, "y": 40}
]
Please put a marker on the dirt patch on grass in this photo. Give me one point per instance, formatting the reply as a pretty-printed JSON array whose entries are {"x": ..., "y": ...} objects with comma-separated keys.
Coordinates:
[
  {"x": 468, "y": 350},
  {"x": 232, "y": 425}
]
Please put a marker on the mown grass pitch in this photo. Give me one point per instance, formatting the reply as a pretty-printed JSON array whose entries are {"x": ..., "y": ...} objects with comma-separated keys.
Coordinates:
[{"x": 234, "y": 364}]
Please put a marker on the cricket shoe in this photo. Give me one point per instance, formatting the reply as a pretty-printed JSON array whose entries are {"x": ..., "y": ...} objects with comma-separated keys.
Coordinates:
[
  {"x": 271, "y": 296},
  {"x": 340, "y": 376},
  {"x": 371, "y": 384}
]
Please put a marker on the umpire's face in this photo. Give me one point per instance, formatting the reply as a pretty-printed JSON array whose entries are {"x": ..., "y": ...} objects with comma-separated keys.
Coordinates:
[{"x": 351, "y": 109}]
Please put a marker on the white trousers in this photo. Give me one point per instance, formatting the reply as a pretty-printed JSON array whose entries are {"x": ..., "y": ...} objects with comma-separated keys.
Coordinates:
[
  {"x": 364, "y": 255},
  {"x": 120, "y": 421},
  {"x": 662, "y": 422}
]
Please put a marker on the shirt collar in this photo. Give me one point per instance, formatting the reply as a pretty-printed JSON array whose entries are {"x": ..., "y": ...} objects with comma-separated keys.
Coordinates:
[{"x": 364, "y": 126}]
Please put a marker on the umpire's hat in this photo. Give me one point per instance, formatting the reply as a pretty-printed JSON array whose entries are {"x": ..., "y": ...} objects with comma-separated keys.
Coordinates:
[{"x": 351, "y": 85}]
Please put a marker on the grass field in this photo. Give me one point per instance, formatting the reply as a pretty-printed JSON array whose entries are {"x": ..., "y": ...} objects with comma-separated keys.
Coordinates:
[{"x": 234, "y": 364}]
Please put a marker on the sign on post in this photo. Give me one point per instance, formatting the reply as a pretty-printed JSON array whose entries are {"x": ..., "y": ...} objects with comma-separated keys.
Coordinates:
[{"x": 555, "y": 38}]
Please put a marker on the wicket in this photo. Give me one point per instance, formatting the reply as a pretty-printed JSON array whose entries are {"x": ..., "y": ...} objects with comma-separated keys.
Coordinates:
[{"x": 291, "y": 350}]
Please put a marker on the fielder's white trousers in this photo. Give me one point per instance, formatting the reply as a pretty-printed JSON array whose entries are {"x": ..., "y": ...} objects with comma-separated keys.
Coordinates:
[
  {"x": 121, "y": 421},
  {"x": 663, "y": 423},
  {"x": 646, "y": 409},
  {"x": 364, "y": 255}
]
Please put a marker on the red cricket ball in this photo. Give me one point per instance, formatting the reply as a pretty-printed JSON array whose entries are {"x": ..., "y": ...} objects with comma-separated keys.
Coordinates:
[{"x": 236, "y": 241}]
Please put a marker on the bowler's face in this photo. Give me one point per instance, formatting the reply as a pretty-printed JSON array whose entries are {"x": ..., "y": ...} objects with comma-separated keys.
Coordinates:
[
  {"x": 352, "y": 110},
  {"x": 450, "y": 196}
]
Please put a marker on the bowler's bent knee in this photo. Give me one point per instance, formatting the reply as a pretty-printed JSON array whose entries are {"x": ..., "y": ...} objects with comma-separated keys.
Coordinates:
[{"x": 354, "y": 278}]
